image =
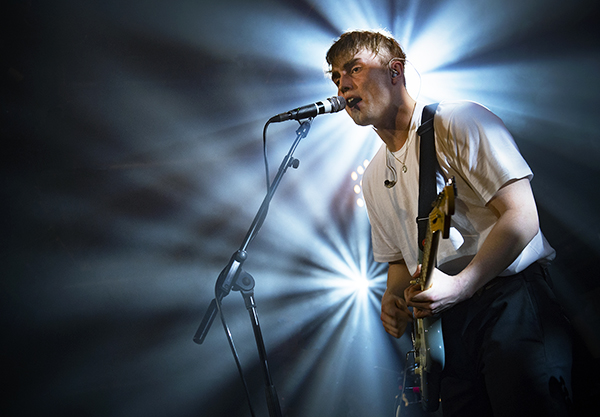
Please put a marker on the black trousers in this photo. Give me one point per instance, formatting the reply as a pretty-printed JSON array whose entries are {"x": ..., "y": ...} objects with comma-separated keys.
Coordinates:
[{"x": 508, "y": 351}]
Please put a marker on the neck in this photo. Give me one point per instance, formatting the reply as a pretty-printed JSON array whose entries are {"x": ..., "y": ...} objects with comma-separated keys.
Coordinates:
[{"x": 395, "y": 133}]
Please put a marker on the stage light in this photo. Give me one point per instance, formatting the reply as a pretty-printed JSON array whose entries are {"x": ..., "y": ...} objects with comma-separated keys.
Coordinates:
[
  {"x": 357, "y": 179},
  {"x": 361, "y": 284}
]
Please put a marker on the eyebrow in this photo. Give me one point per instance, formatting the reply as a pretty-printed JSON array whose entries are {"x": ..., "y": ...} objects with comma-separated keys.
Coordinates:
[{"x": 347, "y": 67}]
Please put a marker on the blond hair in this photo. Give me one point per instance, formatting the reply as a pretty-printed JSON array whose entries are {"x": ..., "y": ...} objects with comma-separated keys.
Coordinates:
[{"x": 350, "y": 43}]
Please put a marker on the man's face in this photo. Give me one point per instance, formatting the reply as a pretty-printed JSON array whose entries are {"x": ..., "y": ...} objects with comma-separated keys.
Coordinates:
[{"x": 365, "y": 83}]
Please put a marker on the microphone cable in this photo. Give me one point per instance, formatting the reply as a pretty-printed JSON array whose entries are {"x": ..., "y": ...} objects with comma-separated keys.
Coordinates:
[
  {"x": 235, "y": 354},
  {"x": 265, "y": 153}
]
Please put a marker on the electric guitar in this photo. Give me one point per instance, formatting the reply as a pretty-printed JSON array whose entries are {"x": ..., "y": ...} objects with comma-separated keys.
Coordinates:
[{"x": 427, "y": 333}]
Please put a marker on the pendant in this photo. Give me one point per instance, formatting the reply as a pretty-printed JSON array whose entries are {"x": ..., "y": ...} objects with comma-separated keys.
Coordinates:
[{"x": 404, "y": 169}]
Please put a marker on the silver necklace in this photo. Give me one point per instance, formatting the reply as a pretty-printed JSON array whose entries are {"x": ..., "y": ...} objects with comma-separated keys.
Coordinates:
[
  {"x": 388, "y": 183},
  {"x": 404, "y": 168}
]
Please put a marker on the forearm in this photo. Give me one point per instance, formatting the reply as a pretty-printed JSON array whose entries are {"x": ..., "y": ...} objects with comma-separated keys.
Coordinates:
[
  {"x": 517, "y": 225},
  {"x": 398, "y": 278},
  {"x": 395, "y": 315}
]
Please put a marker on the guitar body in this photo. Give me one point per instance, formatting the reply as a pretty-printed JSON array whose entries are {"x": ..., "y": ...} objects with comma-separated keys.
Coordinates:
[
  {"x": 428, "y": 339},
  {"x": 429, "y": 349}
]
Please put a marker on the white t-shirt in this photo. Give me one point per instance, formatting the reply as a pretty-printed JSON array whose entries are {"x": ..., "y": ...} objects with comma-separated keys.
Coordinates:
[{"x": 474, "y": 147}]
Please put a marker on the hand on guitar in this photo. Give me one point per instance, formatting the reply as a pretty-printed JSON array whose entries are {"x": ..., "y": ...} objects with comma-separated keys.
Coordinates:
[
  {"x": 445, "y": 291},
  {"x": 395, "y": 315}
]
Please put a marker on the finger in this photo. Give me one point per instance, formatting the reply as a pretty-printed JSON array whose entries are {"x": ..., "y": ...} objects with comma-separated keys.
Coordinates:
[
  {"x": 422, "y": 313},
  {"x": 394, "y": 320},
  {"x": 405, "y": 316},
  {"x": 391, "y": 311},
  {"x": 391, "y": 327},
  {"x": 392, "y": 332},
  {"x": 395, "y": 326},
  {"x": 417, "y": 272},
  {"x": 396, "y": 331},
  {"x": 421, "y": 297},
  {"x": 388, "y": 306},
  {"x": 400, "y": 314},
  {"x": 387, "y": 317},
  {"x": 410, "y": 291},
  {"x": 401, "y": 304},
  {"x": 419, "y": 304},
  {"x": 403, "y": 312}
]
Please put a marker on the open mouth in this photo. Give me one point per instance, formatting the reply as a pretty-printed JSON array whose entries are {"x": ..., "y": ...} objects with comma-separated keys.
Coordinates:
[{"x": 353, "y": 101}]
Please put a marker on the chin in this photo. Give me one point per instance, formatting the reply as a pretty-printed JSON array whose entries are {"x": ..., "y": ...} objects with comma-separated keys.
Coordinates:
[
  {"x": 362, "y": 121},
  {"x": 358, "y": 119}
]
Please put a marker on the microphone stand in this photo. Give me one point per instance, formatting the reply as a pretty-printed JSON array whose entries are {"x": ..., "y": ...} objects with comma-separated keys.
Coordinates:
[{"x": 233, "y": 276}]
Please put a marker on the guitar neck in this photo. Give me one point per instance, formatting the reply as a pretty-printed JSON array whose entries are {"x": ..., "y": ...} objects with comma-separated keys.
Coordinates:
[
  {"x": 438, "y": 223},
  {"x": 429, "y": 257}
]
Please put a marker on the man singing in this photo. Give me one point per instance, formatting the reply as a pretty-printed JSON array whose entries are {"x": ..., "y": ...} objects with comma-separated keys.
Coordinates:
[{"x": 507, "y": 345}]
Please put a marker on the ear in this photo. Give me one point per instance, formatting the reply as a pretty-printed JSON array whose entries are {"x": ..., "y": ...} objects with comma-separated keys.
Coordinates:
[{"x": 396, "y": 70}]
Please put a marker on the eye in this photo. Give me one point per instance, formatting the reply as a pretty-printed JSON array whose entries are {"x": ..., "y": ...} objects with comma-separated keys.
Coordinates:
[{"x": 355, "y": 69}]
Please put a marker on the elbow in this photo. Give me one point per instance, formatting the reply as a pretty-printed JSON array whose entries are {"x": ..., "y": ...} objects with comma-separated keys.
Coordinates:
[{"x": 515, "y": 207}]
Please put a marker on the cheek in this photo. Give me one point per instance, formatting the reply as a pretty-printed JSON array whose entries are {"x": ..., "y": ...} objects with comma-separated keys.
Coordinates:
[
  {"x": 372, "y": 88},
  {"x": 380, "y": 95}
]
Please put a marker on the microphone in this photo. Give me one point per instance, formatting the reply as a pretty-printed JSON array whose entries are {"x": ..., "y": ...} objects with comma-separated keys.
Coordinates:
[{"x": 331, "y": 105}]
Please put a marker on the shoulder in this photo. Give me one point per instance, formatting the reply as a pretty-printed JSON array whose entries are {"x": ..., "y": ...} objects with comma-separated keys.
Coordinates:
[{"x": 464, "y": 114}]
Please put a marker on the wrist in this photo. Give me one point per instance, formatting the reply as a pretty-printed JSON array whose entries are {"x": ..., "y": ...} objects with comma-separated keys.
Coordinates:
[
  {"x": 468, "y": 284},
  {"x": 393, "y": 293}
]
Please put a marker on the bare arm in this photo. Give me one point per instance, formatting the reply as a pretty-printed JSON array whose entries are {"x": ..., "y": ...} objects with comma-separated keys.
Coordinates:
[
  {"x": 517, "y": 224},
  {"x": 395, "y": 315}
]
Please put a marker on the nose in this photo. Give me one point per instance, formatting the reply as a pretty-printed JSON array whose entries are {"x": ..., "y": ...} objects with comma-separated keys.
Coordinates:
[{"x": 345, "y": 83}]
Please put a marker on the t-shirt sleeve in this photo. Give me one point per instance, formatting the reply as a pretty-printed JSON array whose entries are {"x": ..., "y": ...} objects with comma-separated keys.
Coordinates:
[{"x": 478, "y": 146}]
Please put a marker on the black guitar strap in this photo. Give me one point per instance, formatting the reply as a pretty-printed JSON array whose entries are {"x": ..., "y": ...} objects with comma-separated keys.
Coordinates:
[{"x": 428, "y": 165}]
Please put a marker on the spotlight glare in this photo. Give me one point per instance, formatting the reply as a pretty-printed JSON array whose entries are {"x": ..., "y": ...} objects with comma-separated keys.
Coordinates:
[{"x": 361, "y": 284}]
